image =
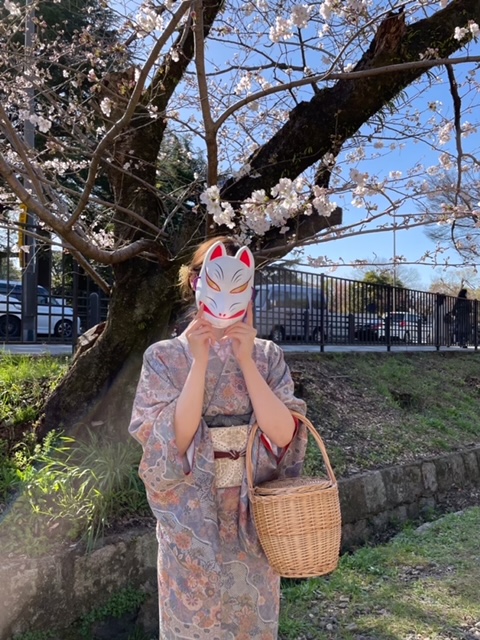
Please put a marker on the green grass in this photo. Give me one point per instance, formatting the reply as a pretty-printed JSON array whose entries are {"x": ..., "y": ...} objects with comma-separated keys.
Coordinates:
[
  {"x": 59, "y": 490},
  {"x": 24, "y": 384},
  {"x": 123, "y": 602},
  {"x": 424, "y": 584}
]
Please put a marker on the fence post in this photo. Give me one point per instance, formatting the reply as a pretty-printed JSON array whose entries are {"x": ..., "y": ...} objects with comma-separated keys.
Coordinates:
[
  {"x": 475, "y": 323},
  {"x": 439, "y": 301},
  {"x": 93, "y": 310},
  {"x": 323, "y": 303},
  {"x": 388, "y": 318}
]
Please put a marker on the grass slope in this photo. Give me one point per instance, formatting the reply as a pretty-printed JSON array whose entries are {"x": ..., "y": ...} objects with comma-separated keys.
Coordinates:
[{"x": 377, "y": 409}]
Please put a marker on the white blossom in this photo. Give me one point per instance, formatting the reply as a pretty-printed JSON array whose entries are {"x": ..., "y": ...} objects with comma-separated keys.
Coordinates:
[
  {"x": 282, "y": 30},
  {"x": 321, "y": 202},
  {"x": 244, "y": 85},
  {"x": 446, "y": 161},
  {"x": 358, "y": 202},
  {"x": 357, "y": 177},
  {"x": 44, "y": 125},
  {"x": 106, "y": 106},
  {"x": 474, "y": 28},
  {"x": 467, "y": 129},
  {"x": 301, "y": 15},
  {"x": 12, "y": 8},
  {"x": 221, "y": 212},
  {"x": 328, "y": 160},
  {"x": 148, "y": 20},
  {"x": 395, "y": 175},
  {"x": 264, "y": 84},
  {"x": 445, "y": 133},
  {"x": 103, "y": 239},
  {"x": 429, "y": 54},
  {"x": 460, "y": 33},
  {"x": 326, "y": 10}
]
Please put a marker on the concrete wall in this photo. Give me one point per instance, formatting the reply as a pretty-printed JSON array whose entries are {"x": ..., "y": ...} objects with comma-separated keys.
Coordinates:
[{"x": 43, "y": 593}]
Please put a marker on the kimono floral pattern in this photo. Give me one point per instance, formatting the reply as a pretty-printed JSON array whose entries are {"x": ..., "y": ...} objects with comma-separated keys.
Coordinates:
[{"x": 214, "y": 580}]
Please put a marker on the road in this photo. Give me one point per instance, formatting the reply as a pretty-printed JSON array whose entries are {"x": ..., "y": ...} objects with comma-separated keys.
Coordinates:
[{"x": 66, "y": 349}]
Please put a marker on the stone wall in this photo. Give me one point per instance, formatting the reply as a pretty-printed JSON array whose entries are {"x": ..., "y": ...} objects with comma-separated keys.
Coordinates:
[
  {"x": 43, "y": 593},
  {"x": 39, "y": 594},
  {"x": 378, "y": 500}
]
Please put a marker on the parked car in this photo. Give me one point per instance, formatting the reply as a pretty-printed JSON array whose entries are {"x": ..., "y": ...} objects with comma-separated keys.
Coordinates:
[
  {"x": 10, "y": 317},
  {"x": 403, "y": 326},
  {"x": 286, "y": 311},
  {"x": 367, "y": 326},
  {"x": 54, "y": 316}
]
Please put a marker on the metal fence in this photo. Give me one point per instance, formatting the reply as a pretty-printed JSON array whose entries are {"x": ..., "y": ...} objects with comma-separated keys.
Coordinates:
[
  {"x": 291, "y": 307},
  {"x": 67, "y": 300},
  {"x": 300, "y": 307}
]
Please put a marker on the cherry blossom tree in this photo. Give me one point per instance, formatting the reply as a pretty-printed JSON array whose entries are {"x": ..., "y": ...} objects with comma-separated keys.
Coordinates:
[{"x": 289, "y": 103}]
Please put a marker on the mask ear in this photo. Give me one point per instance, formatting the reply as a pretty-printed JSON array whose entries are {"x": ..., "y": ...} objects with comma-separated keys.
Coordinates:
[
  {"x": 216, "y": 251},
  {"x": 245, "y": 255}
]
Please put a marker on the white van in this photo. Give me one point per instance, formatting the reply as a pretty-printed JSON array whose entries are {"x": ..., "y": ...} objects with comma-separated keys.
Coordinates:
[
  {"x": 54, "y": 316},
  {"x": 290, "y": 311}
]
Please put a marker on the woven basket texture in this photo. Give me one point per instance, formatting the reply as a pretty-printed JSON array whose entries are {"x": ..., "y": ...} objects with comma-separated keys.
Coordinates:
[{"x": 298, "y": 520}]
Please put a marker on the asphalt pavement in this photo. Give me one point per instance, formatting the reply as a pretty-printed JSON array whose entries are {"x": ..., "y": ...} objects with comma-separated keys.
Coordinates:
[{"x": 67, "y": 349}]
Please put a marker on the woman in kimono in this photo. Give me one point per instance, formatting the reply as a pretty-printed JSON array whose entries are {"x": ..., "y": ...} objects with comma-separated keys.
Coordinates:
[{"x": 197, "y": 398}]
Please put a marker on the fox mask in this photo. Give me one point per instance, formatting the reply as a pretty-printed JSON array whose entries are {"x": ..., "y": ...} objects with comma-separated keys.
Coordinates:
[{"x": 225, "y": 285}]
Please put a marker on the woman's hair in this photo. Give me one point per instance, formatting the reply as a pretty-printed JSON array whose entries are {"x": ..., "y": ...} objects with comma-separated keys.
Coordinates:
[
  {"x": 462, "y": 293},
  {"x": 192, "y": 269}
]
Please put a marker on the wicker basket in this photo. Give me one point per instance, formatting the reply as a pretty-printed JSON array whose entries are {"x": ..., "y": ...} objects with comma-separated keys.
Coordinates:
[{"x": 298, "y": 520}]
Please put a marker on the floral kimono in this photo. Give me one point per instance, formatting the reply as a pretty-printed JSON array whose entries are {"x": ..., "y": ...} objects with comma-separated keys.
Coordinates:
[{"x": 214, "y": 580}]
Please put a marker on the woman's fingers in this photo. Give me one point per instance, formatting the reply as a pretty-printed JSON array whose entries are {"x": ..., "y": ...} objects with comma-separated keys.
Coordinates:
[{"x": 249, "y": 316}]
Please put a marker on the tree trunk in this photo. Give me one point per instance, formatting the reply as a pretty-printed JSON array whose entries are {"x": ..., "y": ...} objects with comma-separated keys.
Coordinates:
[{"x": 100, "y": 386}]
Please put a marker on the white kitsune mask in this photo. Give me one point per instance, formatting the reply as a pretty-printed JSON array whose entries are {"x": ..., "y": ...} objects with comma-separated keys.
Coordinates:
[{"x": 225, "y": 285}]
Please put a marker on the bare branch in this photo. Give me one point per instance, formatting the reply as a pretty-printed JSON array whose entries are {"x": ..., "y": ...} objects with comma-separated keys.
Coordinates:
[{"x": 210, "y": 130}]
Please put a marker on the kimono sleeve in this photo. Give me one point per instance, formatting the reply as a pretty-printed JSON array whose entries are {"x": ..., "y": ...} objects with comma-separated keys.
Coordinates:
[
  {"x": 152, "y": 424},
  {"x": 280, "y": 381}
]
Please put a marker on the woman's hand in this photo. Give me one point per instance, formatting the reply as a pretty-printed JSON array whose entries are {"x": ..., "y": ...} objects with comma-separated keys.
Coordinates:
[
  {"x": 200, "y": 336},
  {"x": 242, "y": 335}
]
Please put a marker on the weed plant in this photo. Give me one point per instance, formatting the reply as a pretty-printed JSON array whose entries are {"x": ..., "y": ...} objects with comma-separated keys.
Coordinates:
[{"x": 68, "y": 491}]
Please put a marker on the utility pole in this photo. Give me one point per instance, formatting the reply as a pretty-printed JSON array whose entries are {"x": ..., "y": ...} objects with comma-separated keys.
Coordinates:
[
  {"x": 29, "y": 272},
  {"x": 394, "y": 260}
]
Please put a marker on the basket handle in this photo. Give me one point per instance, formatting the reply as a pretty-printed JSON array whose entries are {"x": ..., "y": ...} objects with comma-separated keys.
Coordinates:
[{"x": 313, "y": 431}]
